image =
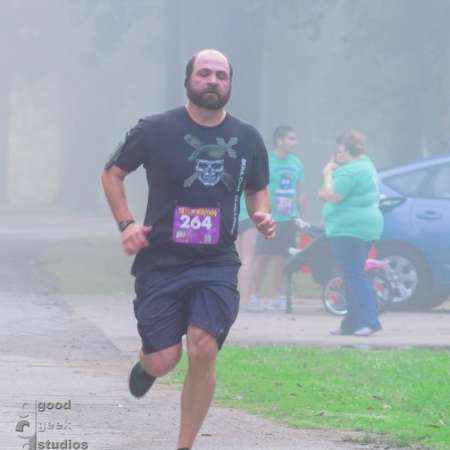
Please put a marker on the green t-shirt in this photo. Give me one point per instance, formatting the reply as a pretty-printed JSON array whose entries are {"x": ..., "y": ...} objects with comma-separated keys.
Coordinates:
[
  {"x": 243, "y": 213},
  {"x": 285, "y": 174},
  {"x": 358, "y": 215}
]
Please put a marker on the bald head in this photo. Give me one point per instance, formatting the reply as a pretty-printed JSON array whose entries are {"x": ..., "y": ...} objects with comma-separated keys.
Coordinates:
[
  {"x": 207, "y": 56},
  {"x": 211, "y": 53}
]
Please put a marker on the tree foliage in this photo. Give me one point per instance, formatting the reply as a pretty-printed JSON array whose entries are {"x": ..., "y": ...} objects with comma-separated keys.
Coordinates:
[{"x": 92, "y": 67}]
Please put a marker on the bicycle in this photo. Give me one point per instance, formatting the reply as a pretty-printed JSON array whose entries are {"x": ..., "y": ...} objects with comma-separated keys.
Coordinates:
[
  {"x": 333, "y": 291},
  {"x": 318, "y": 258}
]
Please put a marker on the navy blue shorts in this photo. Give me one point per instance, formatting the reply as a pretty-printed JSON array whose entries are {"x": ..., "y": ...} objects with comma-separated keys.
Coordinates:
[{"x": 169, "y": 300}]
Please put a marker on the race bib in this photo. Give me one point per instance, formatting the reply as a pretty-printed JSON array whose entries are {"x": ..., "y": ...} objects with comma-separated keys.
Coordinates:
[
  {"x": 284, "y": 205},
  {"x": 196, "y": 225}
]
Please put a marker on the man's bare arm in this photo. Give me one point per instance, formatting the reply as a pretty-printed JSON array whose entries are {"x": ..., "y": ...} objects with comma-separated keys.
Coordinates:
[
  {"x": 134, "y": 237},
  {"x": 258, "y": 201},
  {"x": 259, "y": 208},
  {"x": 114, "y": 188}
]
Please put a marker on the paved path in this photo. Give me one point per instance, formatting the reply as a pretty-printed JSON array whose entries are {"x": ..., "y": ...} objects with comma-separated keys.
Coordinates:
[
  {"x": 79, "y": 349},
  {"x": 55, "y": 349},
  {"x": 308, "y": 325}
]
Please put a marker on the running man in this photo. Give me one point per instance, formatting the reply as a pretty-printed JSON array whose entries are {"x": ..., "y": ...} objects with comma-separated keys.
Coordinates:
[{"x": 198, "y": 160}]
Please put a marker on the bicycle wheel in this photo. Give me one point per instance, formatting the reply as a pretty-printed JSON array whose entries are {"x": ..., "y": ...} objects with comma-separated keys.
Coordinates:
[{"x": 333, "y": 296}]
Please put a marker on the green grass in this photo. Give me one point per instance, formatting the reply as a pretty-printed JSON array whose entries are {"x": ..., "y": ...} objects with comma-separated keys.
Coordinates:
[
  {"x": 99, "y": 266},
  {"x": 402, "y": 394}
]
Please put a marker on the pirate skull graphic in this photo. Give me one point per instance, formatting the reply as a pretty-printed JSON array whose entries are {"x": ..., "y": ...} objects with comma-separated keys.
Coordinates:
[
  {"x": 210, "y": 162},
  {"x": 209, "y": 172}
]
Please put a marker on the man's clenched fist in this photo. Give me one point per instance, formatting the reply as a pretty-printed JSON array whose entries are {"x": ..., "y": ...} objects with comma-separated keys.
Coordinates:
[
  {"x": 265, "y": 224},
  {"x": 134, "y": 238}
]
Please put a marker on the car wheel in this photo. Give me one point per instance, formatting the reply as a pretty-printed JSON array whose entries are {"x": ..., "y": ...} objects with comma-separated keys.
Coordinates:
[{"x": 409, "y": 276}]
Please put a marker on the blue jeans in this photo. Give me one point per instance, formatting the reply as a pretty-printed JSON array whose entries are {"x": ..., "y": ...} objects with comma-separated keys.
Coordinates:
[{"x": 351, "y": 254}]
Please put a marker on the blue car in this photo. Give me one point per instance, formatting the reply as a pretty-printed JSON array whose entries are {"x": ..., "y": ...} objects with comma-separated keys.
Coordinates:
[{"x": 416, "y": 237}]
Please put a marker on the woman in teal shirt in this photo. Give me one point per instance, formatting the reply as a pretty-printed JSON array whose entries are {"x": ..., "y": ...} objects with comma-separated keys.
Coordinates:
[{"x": 353, "y": 221}]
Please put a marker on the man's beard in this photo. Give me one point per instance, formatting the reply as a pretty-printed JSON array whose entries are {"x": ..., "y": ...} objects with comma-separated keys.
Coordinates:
[{"x": 209, "y": 99}]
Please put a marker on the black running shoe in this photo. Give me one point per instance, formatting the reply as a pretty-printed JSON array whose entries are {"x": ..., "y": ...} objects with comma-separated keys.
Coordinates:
[{"x": 140, "y": 381}]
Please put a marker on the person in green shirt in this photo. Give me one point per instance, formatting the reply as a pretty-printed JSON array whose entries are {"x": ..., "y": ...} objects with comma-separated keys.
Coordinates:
[
  {"x": 245, "y": 246},
  {"x": 353, "y": 221},
  {"x": 288, "y": 203}
]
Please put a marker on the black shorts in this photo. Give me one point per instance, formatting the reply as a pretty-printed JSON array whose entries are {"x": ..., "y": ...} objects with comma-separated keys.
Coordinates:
[
  {"x": 169, "y": 300},
  {"x": 245, "y": 225},
  {"x": 285, "y": 237}
]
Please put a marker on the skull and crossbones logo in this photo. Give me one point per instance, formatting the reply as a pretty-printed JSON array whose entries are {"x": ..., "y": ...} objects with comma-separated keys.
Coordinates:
[{"x": 210, "y": 162}]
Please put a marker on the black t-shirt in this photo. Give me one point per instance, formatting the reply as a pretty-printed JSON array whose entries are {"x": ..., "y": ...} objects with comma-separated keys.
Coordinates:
[{"x": 196, "y": 176}]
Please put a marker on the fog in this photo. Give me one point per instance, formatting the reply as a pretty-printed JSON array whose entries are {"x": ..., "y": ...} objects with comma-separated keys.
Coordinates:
[{"x": 76, "y": 75}]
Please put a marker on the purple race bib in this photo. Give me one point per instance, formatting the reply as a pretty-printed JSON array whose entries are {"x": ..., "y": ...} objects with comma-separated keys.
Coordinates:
[
  {"x": 196, "y": 225},
  {"x": 284, "y": 205}
]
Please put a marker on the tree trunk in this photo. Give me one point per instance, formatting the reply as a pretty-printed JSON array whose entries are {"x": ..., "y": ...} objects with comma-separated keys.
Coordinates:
[
  {"x": 409, "y": 128},
  {"x": 5, "y": 98},
  {"x": 5, "y": 114},
  {"x": 173, "y": 65},
  {"x": 235, "y": 28}
]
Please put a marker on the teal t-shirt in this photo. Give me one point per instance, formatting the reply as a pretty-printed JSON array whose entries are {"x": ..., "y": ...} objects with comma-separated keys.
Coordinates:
[
  {"x": 243, "y": 213},
  {"x": 358, "y": 215},
  {"x": 285, "y": 174}
]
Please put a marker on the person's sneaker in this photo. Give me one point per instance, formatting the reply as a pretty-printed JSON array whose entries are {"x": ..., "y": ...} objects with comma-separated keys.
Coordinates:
[
  {"x": 279, "y": 304},
  {"x": 254, "y": 305},
  {"x": 365, "y": 331},
  {"x": 139, "y": 381},
  {"x": 339, "y": 332}
]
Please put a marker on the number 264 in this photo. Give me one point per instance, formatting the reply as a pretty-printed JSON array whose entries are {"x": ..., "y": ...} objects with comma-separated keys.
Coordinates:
[{"x": 195, "y": 222}]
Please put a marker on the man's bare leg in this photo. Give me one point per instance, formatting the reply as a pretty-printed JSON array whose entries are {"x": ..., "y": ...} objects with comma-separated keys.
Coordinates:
[
  {"x": 160, "y": 363},
  {"x": 261, "y": 264},
  {"x": 277, "y": 276},
  {"x": 199, "y": 384},
  {"x": 150, "y": 366}
]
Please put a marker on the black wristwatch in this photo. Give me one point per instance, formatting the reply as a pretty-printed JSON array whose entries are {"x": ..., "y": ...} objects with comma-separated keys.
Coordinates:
[{"x": 124, "y": 223}]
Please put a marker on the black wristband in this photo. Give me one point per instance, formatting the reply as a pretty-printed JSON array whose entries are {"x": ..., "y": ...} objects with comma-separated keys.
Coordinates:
[{"x": 124, "y": 223}]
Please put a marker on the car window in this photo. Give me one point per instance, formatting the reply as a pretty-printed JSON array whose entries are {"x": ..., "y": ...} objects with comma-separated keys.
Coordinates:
[
  {"x": 411, "y": 184},
  {"x": 440, "y": 183}
]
